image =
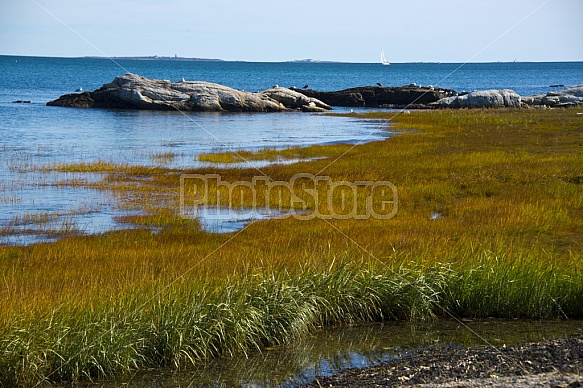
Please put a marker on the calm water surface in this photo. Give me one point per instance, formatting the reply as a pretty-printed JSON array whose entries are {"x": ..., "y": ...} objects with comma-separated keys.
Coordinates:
[{"x": 35, "y": 136}]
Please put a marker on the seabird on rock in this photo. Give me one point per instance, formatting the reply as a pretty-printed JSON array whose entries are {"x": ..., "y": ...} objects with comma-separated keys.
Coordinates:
[
  {"x": 305, "y": 86},
  {"x": 79, "y": 90},
  {"x": 275, "y": 86},
  {"x": 380, "y": 84}
]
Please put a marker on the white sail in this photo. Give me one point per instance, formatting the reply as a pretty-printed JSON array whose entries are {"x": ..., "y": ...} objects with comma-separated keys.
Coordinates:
[{"x": 383, "y": 59}]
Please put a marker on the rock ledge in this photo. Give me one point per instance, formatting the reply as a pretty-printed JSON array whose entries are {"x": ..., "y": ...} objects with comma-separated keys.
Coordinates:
[{"x": 135, "y": 92}]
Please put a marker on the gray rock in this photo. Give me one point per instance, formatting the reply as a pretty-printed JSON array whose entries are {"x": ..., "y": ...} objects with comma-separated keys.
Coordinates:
[
  {"x": 576, "y": 91},
  {"x": 409, "y": 96},
  {"x": 570, "y": 96},
  {"x": 536, "y": 100},
  {"x": 567, "y": 97},
  {"x": 551, "y": 100},
  {"x": 135, "y": 92},
  {"x": 293, "y": 99},
  {"x": 312, "y": 107},
  {"x": 481, "y": 99}
]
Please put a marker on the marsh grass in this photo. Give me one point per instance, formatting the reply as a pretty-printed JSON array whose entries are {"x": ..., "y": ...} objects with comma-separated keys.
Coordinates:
[
  {"x": 268, "y": 154},
  {"x": 507, "y": 243},
  {"x": 163, "y": 157},
  {"x": 45, "y": 225}
]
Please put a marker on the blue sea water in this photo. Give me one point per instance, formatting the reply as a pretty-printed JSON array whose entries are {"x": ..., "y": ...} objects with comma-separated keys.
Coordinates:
[
  {"x": 43, "y": 79},
  {"x": 33, "y": 135}
]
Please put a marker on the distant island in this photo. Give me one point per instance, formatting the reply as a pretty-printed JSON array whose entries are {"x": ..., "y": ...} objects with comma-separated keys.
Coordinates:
[
  {"x": 312, "y": 61},
  {"x": 158, "y": 58},
  {"x": 184, "y": 59}
]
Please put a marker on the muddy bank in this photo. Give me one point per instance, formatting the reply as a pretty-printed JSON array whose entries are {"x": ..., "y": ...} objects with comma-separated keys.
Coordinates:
[{"x": 552, "y": 363}]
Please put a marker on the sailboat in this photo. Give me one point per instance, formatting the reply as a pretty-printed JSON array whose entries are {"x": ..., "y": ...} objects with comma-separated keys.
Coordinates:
[{"x": 383, "y": 59}]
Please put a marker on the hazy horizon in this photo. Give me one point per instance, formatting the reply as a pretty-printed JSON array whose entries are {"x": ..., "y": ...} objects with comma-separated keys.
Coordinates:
[{"x": 312, "y": 60}]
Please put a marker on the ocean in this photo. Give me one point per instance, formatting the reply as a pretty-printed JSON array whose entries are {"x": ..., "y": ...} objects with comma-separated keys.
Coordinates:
[{"x": 33, "y": 135}]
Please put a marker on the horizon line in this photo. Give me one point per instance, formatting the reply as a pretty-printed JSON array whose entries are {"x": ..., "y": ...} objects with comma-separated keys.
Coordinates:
[{"x": 307, "y": 60}]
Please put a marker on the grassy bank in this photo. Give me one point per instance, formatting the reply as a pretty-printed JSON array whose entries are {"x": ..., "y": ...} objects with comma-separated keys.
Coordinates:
[{"x": 489, "y": 223}]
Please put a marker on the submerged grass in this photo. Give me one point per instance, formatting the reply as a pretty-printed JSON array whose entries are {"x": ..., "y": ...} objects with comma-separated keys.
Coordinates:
[
  {"x": 268, "y": 154},
  {"x": 489, "y": 225}
]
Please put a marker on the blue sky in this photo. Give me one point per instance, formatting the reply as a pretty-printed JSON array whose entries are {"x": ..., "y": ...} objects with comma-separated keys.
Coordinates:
[{"x": 262, "y": 30}]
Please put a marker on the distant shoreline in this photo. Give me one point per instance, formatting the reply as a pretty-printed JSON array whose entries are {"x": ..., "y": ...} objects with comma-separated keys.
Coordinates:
[
  {"x": 157, "y": 58},
  {"x": 315, "y": 61},
  {"x": 186, "y": 59}
]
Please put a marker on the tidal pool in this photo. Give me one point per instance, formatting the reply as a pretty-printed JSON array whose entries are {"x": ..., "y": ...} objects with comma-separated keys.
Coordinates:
[{"x": 225, "y": 220}]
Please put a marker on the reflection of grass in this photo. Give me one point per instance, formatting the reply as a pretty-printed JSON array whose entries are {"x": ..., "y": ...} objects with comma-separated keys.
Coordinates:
[
  {"x": 507, "y": 185},
  {"x": 163, "y": 157},
  {"x": 101, "y": 167},
  {"x": 50, "y": 225},
  {"x": 268, "y": 154}
]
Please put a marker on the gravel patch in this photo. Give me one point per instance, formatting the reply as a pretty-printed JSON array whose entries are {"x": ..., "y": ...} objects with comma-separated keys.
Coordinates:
[{"x": 552, "y": 363}]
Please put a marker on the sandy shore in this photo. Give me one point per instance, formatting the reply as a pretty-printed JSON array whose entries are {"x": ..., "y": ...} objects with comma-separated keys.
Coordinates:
[{"x": 552, "y": 363}]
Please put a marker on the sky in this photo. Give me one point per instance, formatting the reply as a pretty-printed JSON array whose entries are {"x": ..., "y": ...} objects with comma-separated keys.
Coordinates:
[{"x": 273, "y": 31}]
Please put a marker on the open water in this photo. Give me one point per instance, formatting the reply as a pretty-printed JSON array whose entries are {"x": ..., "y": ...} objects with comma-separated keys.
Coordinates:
[{"x": 33, "y": 135}]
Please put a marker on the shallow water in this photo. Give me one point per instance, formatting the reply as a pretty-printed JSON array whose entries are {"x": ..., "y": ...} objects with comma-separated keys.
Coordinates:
[
  {"x": 224, "y": 220},
  {"x": 166, "y": 139},
  {"x": 334, "y": 349}
]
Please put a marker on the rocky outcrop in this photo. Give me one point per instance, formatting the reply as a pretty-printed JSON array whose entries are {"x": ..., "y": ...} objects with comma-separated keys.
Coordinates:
[
  {"x": 482, "y": 99},
  {"x": 570, "y": 96},
  {"x": 507, "y": 98},
  {"x": 411, "y": 96},
  {"x": 135, "y": 92},
  {"x": 295, "y": 100}
]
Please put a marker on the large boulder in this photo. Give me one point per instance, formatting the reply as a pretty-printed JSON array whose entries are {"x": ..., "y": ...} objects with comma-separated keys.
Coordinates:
[
  {"x": 294, "y": 100},
  {"x": 482, "y": 99},
  {"x": 135, "y": 92}
]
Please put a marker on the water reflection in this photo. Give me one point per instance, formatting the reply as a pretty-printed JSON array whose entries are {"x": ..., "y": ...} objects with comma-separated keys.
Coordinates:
[
  {"x": 335, "y": 349},
  {"x": 226, "y": 220}
]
